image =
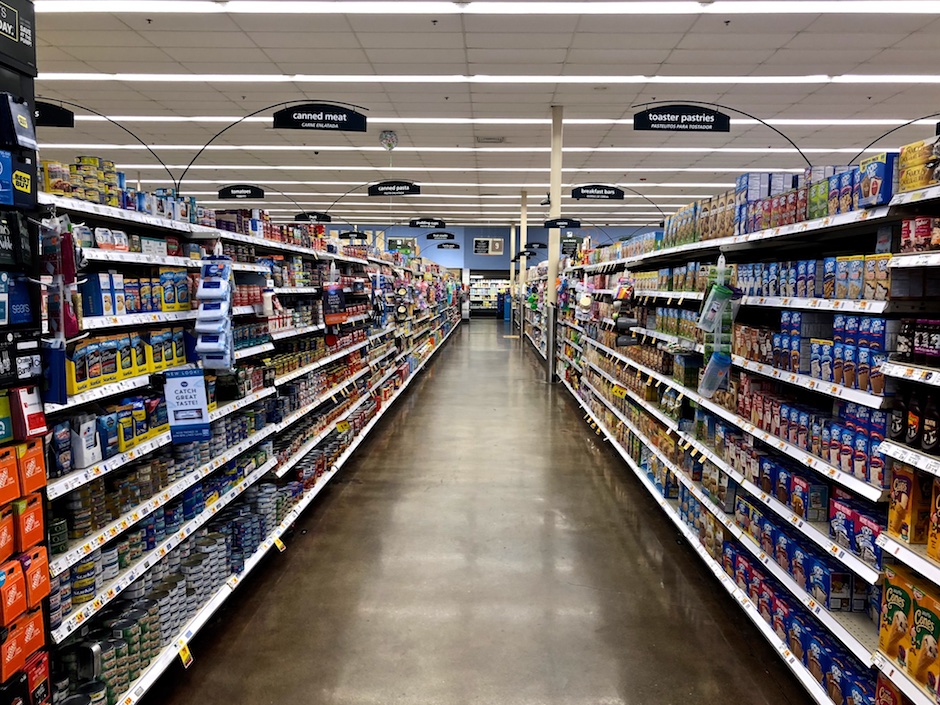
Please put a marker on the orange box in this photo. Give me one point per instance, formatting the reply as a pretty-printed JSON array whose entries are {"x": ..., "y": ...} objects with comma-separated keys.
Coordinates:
[
  {"x": 6, "y": 532},
  {"x": 12, "y": 656},
  {"x": 33, "y": 632},
  {"x": 9, "y": 476},
  {"x": 31, "y": 465},
  {"x": 12, "y": 592},
  {"x": 29, "y": 521},
  {"x": 36, "y": 574}
]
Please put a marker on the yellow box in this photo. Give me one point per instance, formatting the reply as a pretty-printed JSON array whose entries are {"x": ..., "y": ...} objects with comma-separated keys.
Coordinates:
[
  {"x": 897, "y": 600},
  {"x": 126, "y": 368},
  {"x": 917, "y": 177},
  {"x": 919, "y": 152},
  {"x": 76, "y": 369},
  {"x": 909, "y": 508},
  {"x": 923, "y": 663}
]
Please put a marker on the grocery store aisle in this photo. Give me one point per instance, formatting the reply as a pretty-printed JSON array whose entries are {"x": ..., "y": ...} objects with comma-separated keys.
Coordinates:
[{"x": 483, "y": 548}]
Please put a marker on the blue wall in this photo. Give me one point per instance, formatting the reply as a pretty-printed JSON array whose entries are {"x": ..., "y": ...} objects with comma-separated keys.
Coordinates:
[{"x": 464, "y": 236}]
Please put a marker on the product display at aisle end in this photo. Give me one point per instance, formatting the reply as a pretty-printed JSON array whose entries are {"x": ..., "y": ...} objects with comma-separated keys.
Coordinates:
[
  {"x": 783, "y": 412},
  {"x": 485, "y": 295},
  {"x": 534, "y": 308},
  {"x": 297, "y": 344}
]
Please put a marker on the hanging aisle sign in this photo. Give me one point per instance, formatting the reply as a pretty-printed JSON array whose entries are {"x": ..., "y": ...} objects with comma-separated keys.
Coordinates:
[
  {"x": 395, "y": 188},
  {"x": 427, "y": 223},
  {"x": 561, "y": 223},
  {"x": 351, "y": 235},
  {"x": 448, "y": 246},
  {"x": 682, "y": 118},
  {"x": 320, "y": 116},
  {"x": 50, "y": 115},
  {"x": 240, "y": 192},
  {"x": 187, "y": 406},
  {"x": 313, "y": 217},
  {"x": 598, "y": 192},
  {"x": 440, "y": 235},
  {"x": 570, "y": 245}
]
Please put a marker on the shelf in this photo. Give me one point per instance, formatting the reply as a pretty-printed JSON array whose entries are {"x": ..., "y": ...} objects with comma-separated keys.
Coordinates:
[
  {"x": 95, "y": 254},
  {"x": 914, "y": 373},
  {"x": 914, "y": 458},
  {"x": 135, "y": 319},
  {"x": 670, "y": 509},
  {"x": 687, "y": 343},
  {"x": 745, "y": 241},
  {"x": 297, "y": 290},
  {"x": 291, "y": 332},
  {"x": 572, "y": 325},
  {"x": 357, "y": 319},
  {"x": 145, "y": 508},
  {"x": 924, "y": 194},
  {"x": 565, "y": 358},
  {"x": 78, "y": 478},
  {"x": 111, "y": 213},
  {"x": 899, "y": 677},
  {"x": 912, "y": 555},
  {"x": 107, "y": 390},
  {"x": 385, "y": 331},
  {"x": 568, "y": 341},
  {"x": 283, "y": 379},
  {"x": 817, "y": 385},
  {"x": 248, "y": 267},
  {"x": 679, "y": 296},
  {"x": 148, "y": 560},
  {"x": 244, "y": 311},
  {"x": 817, "y": 533},
  {"x": 242, "y": 353},
  {"x": 847, "y": 480},
  {"x": 535, "y": 345},
  {"x": 816, "y": 304},
  {"x": 198, "y": 232}
]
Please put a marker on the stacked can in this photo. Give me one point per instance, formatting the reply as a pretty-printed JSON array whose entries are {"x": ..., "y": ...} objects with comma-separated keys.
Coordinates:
[
  {"x": 84, "y": 577},
  {"x": 58, "y": 536}
]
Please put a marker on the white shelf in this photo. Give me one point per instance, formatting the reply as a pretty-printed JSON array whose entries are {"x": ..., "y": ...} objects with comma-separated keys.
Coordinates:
[
  {"x": 291, "y": 332},
  {"x": 568, "y": 341},
  {"x": 248, "y": 267},
  {"x": 670, "y": 296},
  {"x": 914, "y": 458},
  {"x": 535, "y": 345},
  {"x": 565, "y": 358},
  {"x": 242, "y": 353},
  {"x": 669, "y": 508},
  {"x": 149, "y": 559},
  {"x": 572, "y": 325},
  {"x": 78, "y": 478},
  {"x": 687, "y": 343},
  {"x": 817, "y": 385},
  {"x": 924, "y": 194},
  {"x": 136, "y": 319},
  {"x": 145, "y": 508},
  {"x": 809, "y": 226},
  {"x": 818, "y": 534},
  {"x": 107, "y": 390},
  {"x": 817, "y": 304},
  {"x": 847, "y": 480},
  {"x": 96, "y": 254},
  {"x": 912, "y": 555},
  {"x": 319, "y": 363},
  {"x": 914, "y": 373},
  {"x": 102, "y": 211},
  {"x": 244, "y": 311},
  {"x": 385, "y": 331},
  {"x": 897, "y": 675},
  {"x": 297, "y": 290},
  {"x": 198, "y": 232}
]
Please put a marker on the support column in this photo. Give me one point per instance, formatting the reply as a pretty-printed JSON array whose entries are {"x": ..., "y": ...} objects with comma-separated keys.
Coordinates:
[
  {"x": 554, "y": 240},
  {"x": 523, "y": 239}
]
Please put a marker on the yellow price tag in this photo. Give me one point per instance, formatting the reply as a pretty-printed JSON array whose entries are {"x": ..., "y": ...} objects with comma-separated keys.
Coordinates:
[
  {"x": 342, "y": 426},
  {"x": 186, "y": 656},
  {"x": 280, "y": 545},
  {"x": 619, "y": 392}
]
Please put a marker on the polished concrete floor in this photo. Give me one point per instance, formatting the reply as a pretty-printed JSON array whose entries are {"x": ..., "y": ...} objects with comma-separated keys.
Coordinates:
[{"x": 483, "y": 548}]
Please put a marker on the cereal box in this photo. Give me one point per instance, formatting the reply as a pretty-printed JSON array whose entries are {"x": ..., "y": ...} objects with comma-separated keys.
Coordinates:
[
  {"x": 909, "y": 507},
  {"x": 897, "y": 601},
  {"x": 877, "y": 175},
  {"x": 923, "y": 663}
]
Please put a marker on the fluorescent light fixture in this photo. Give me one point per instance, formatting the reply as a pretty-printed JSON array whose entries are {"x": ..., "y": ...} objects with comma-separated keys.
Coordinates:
[
  {"x": 569, "y": 122},
  {"x": 431, "y": 150},
  {"x": 482, "y": 7},
  {"x": 452, "y": 79}
]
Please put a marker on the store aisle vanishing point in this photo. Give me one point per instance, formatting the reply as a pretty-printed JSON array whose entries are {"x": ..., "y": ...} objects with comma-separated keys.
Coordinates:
[{"x": 483, "y": 548}]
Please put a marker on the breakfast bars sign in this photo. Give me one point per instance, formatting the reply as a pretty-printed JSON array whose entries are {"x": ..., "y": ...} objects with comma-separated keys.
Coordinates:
[{"x": 682, "y": 118}]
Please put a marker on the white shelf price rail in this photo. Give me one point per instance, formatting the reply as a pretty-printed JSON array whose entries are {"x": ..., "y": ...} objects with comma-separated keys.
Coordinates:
[
  {"x": 292, "y": 332},
  {"x": 62, "y": 485},
  {"x": 671, "y": 339},
  {"x": 914, "y": 458},
  {"x": 818, "y": 304},
  {"x": 914, "y": 373},
  {"x": 136, "y": 319},
  {"x": 149, "y": 559},
  {"x": 253, "y": 350},
  {"x": 670, "y": 296}
]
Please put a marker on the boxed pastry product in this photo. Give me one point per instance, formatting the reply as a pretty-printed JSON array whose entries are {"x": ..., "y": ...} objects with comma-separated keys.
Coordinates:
[
  {"x": 877, "y": 176},
  {"x": 918, "y": 177},
  {"x": 919, "y": 152},
  {"x": 909, "y": 507},
  {"x": 897, "y": 601},
  {"x": 923, "y": 663}
]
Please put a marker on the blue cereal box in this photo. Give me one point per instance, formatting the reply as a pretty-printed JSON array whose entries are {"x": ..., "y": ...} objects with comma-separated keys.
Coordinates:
[
  {"x": 838, "y": 328},
  {"x": 829, "y": 277},
  {"x": 827, "y": 361},
  {"x": 860, "y": 454},
  {"x": 846, "y": 189},
  {"x": 815, "y": 358},
  {"x": 796, "y": 323},
  {"x": 850, "y": 335},
  {"x": 864, "y": 331},
  {"x": 877, "y": 177}
]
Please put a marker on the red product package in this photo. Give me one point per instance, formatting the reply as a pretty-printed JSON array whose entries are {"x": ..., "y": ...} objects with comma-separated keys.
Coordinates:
[{"x": 37, "y": 671}]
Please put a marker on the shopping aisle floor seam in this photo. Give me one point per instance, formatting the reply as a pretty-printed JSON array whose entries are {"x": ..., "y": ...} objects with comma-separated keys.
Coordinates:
[{"x": 482, "y": 547}]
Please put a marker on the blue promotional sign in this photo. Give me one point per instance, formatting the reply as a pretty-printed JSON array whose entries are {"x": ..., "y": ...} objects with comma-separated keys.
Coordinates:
[{"x": 187, "y": 406}]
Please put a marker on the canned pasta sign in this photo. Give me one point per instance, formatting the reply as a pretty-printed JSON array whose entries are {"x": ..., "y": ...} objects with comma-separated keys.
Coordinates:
[{"x": 187, "y": 406}]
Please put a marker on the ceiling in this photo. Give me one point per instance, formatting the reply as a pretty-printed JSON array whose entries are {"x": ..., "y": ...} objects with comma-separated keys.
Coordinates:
[{"x": 821, "y": 78}]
